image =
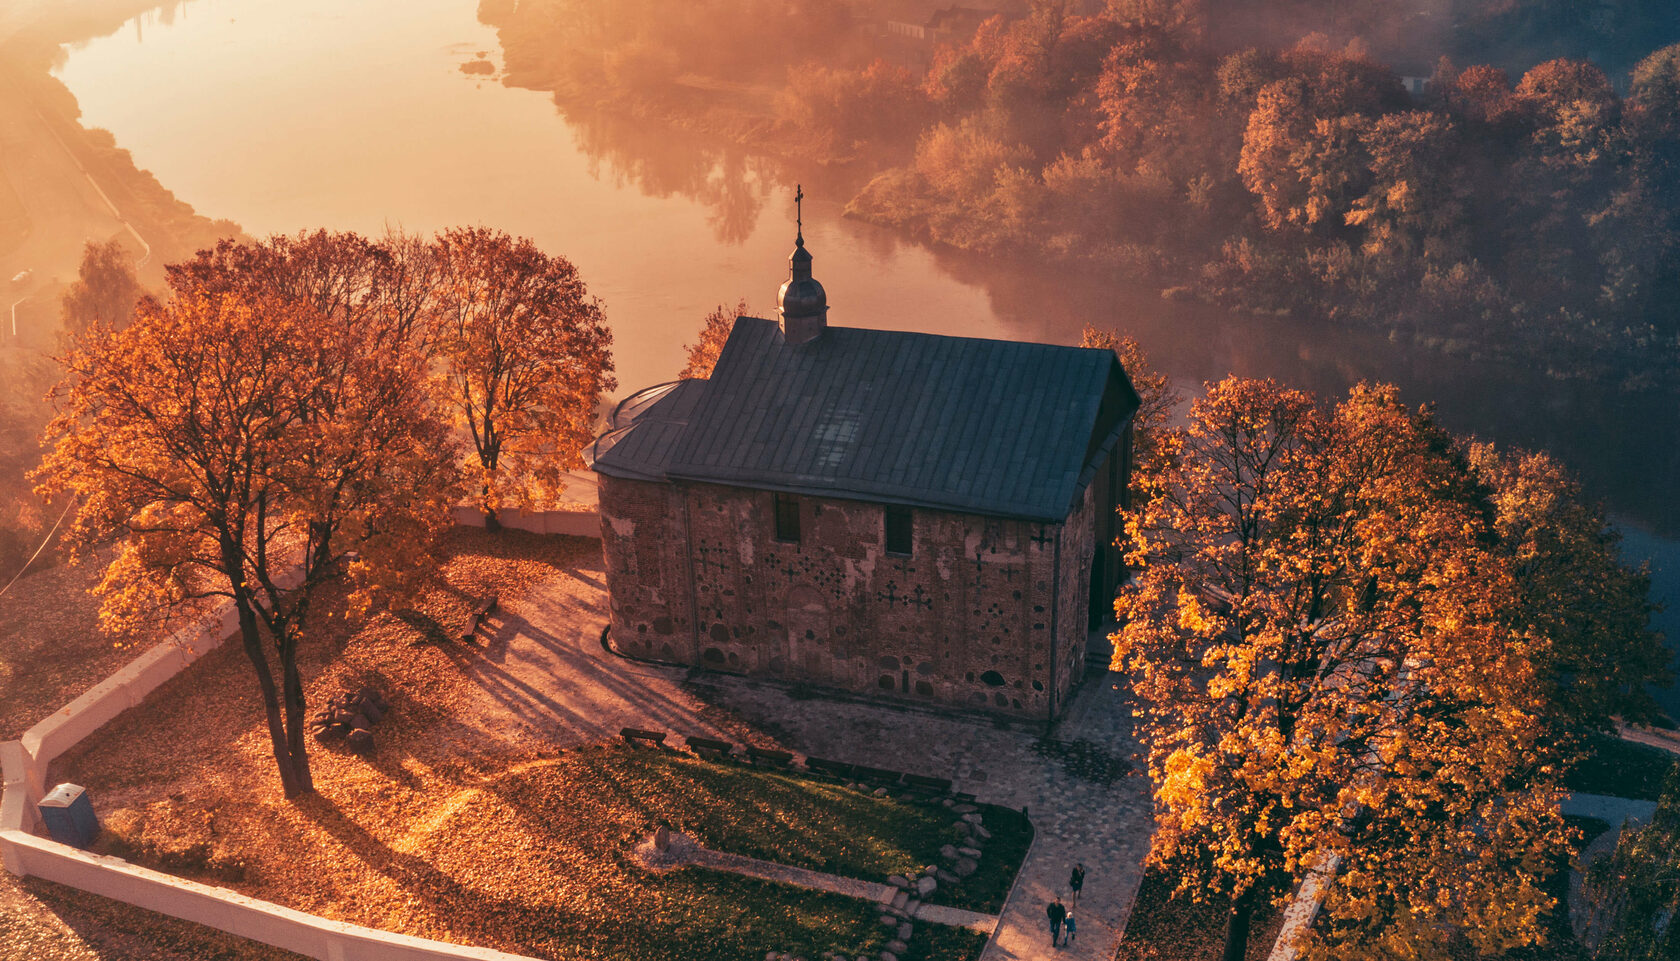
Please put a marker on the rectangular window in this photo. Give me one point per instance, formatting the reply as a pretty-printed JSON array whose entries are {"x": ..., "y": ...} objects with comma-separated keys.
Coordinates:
[
  {"x": 787, "y": 518},
  {"x": 898, "y": 530}
]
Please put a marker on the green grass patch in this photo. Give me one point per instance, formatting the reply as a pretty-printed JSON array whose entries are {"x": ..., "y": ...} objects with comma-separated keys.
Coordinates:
[
  {"x": 1621, "y": 769},
  {"x": 714, "y": 916},
  {"x": 936, "y": 942},
  {"x": 794, "y": 820},
  {"x": 988, "y": 888}
]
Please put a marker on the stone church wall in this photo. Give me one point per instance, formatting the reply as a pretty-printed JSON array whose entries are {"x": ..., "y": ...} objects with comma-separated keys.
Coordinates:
[{"x": 966, "y": 620}]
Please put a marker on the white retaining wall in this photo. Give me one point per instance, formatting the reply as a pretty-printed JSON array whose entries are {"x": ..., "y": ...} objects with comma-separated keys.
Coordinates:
[
  {"x": 580, "y": 523},
  {"x": 225, "y": 910},
  {"x": 23, "y": 773}
]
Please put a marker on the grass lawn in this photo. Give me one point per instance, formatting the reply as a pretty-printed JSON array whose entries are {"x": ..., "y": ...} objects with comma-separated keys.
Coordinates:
[
  {"x": 463, "y": 830},
  {"x": 935, "y": 943},
  {"x": 1621, "y": 769},
  {"x": 785, "y": 818}
]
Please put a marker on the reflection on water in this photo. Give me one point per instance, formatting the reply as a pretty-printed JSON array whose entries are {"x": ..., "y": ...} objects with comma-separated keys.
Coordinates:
[
  {"x": 731, "y": 184},
  {"x": 286, "y": 114}
]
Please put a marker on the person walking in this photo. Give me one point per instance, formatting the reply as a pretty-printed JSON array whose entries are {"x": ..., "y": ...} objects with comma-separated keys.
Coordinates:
[
  {"x": 1071, "y": 927},
  {"x": 1076, "y": 881},
  {"x": 1058, "y": 914}
]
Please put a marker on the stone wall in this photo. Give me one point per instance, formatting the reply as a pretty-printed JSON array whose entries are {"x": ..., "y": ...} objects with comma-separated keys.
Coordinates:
[
  {"x": 966, "y": 620},
  {"x": 1073, "y": 608}
]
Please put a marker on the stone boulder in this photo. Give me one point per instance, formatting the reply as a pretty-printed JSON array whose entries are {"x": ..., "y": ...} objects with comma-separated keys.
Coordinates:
[
  {"x": 926, "y": 886},
  {"x": 965, "y": 867}
]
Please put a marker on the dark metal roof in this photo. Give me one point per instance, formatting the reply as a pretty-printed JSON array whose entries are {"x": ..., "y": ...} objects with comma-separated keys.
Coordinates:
[
  {"x": 645, "y": 427},
  {"x": 957, "y": 423}
]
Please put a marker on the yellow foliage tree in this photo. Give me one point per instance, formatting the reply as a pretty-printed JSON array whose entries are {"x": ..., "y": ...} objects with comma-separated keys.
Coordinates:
[
  {"x": 1331, "y": 661},
  {"x": 249, "y": 452},
  {"x": 714, "y": 333},
  {"x": 526, "y": 356}
]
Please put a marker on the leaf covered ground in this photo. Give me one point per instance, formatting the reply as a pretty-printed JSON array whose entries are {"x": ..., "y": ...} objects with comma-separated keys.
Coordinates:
[{"x": 455, "y": 830}]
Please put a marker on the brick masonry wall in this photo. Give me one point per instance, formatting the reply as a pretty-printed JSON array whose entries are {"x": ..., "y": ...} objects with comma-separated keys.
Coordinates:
[
  {"x": 964, "y": 621},
  {"x": 643, "y": 533},
  {"x": 1073, "y": 612}
]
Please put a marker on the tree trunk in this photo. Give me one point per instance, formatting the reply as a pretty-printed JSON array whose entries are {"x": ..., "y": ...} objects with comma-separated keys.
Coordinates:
[
  {"x": 491, "y": 521},
  {"x": 1236, "y": 933},
  {"x": 284, "y": 759},
  {"x": 296, "y": 746}
]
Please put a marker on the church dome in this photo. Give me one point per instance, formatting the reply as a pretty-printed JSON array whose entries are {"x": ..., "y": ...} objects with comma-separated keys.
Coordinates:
[
  {"x": 801, "y": 295},
  {"x": 801, "y": 301}
]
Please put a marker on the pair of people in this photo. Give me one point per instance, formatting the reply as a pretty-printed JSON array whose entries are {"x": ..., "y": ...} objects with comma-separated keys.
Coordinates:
[
  {"x": 1060, "y": 918},
  {"x": 1058, "y": 913}
]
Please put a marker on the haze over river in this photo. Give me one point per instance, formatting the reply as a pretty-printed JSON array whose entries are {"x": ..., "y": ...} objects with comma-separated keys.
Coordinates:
[{"x": 289, "y": 114}]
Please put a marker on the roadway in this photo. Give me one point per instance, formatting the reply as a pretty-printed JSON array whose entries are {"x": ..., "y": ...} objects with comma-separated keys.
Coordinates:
[{"x": 59, "y": 204}]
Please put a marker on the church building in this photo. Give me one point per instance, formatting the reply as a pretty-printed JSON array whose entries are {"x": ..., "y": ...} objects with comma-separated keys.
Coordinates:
[{"x": 892, "y": 514}]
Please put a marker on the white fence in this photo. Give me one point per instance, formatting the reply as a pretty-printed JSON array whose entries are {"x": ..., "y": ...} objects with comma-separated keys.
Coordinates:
[{"x": 23, "y": 769}]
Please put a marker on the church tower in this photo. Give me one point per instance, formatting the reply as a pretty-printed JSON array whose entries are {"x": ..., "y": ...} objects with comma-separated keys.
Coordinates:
[{"x": 802, "y": 303}]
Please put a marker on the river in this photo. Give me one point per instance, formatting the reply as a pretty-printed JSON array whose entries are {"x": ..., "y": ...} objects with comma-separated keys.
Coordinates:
[{"x": 289, "y": 114}]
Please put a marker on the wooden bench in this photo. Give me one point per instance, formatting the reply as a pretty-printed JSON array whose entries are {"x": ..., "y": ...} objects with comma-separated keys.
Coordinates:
[
  {"x": 876, "y": 775},
  {"x": 478, "y": 617},
  {"x": 963, "y": 797},
  {"x": 922, "y": 784},
  {"x": 831, "y": 768},
  {"x": 635, "y": 735},
  {"x": 769, "y": 757},
  {"x": 709, "y": 747}
]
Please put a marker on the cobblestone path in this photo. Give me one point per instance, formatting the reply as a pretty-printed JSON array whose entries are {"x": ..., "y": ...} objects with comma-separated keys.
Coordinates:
[{"x": 545, "y": 669}]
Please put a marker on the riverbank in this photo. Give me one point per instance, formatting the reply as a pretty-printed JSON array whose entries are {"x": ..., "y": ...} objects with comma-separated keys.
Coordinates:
[{"x": 63, "y": 184}]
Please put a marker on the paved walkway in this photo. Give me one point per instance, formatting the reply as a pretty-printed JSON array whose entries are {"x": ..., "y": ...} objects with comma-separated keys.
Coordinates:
[
  {"x": 1611, "y": 810},
  {"x": 546, "y": 672}
]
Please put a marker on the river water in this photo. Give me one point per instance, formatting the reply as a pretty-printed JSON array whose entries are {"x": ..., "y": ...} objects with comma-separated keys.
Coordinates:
[{"x": 289, "y": 114}]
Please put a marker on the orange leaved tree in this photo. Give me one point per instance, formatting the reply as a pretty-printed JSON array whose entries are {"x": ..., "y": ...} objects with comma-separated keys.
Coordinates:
[
  {"x": 1333, "y": 666},
  {"x": 714, "y": 333},
  {"x": 525, "y": 357},
  {"x": 249, "y": 451}
]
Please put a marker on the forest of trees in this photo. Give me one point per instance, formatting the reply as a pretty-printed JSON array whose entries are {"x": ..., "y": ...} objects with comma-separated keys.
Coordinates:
[{"x": 1534, "y": 216}]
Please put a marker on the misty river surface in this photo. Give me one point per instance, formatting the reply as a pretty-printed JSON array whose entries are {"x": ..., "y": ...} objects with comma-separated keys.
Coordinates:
[{"x": 289, "y": 114}]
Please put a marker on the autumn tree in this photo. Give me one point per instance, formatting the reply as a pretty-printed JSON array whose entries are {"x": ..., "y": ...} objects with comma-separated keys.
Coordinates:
[
  {"x": 105, "y": 289},
  {"x": 386, "y": 287},
  {"x": 1302, "y": 156},
  {"x": 525, "y": 356},
  {"x": 714, "y": 333},
  {"x": 1157, "y": 397},
  {"x": 1633, "y": 896},
  {"x": 1410, "y": 198},
  {"x": 1328, "y": 666},
  {"x": 1602, "y": 655},
  {"x": 252, "y": 452}
]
